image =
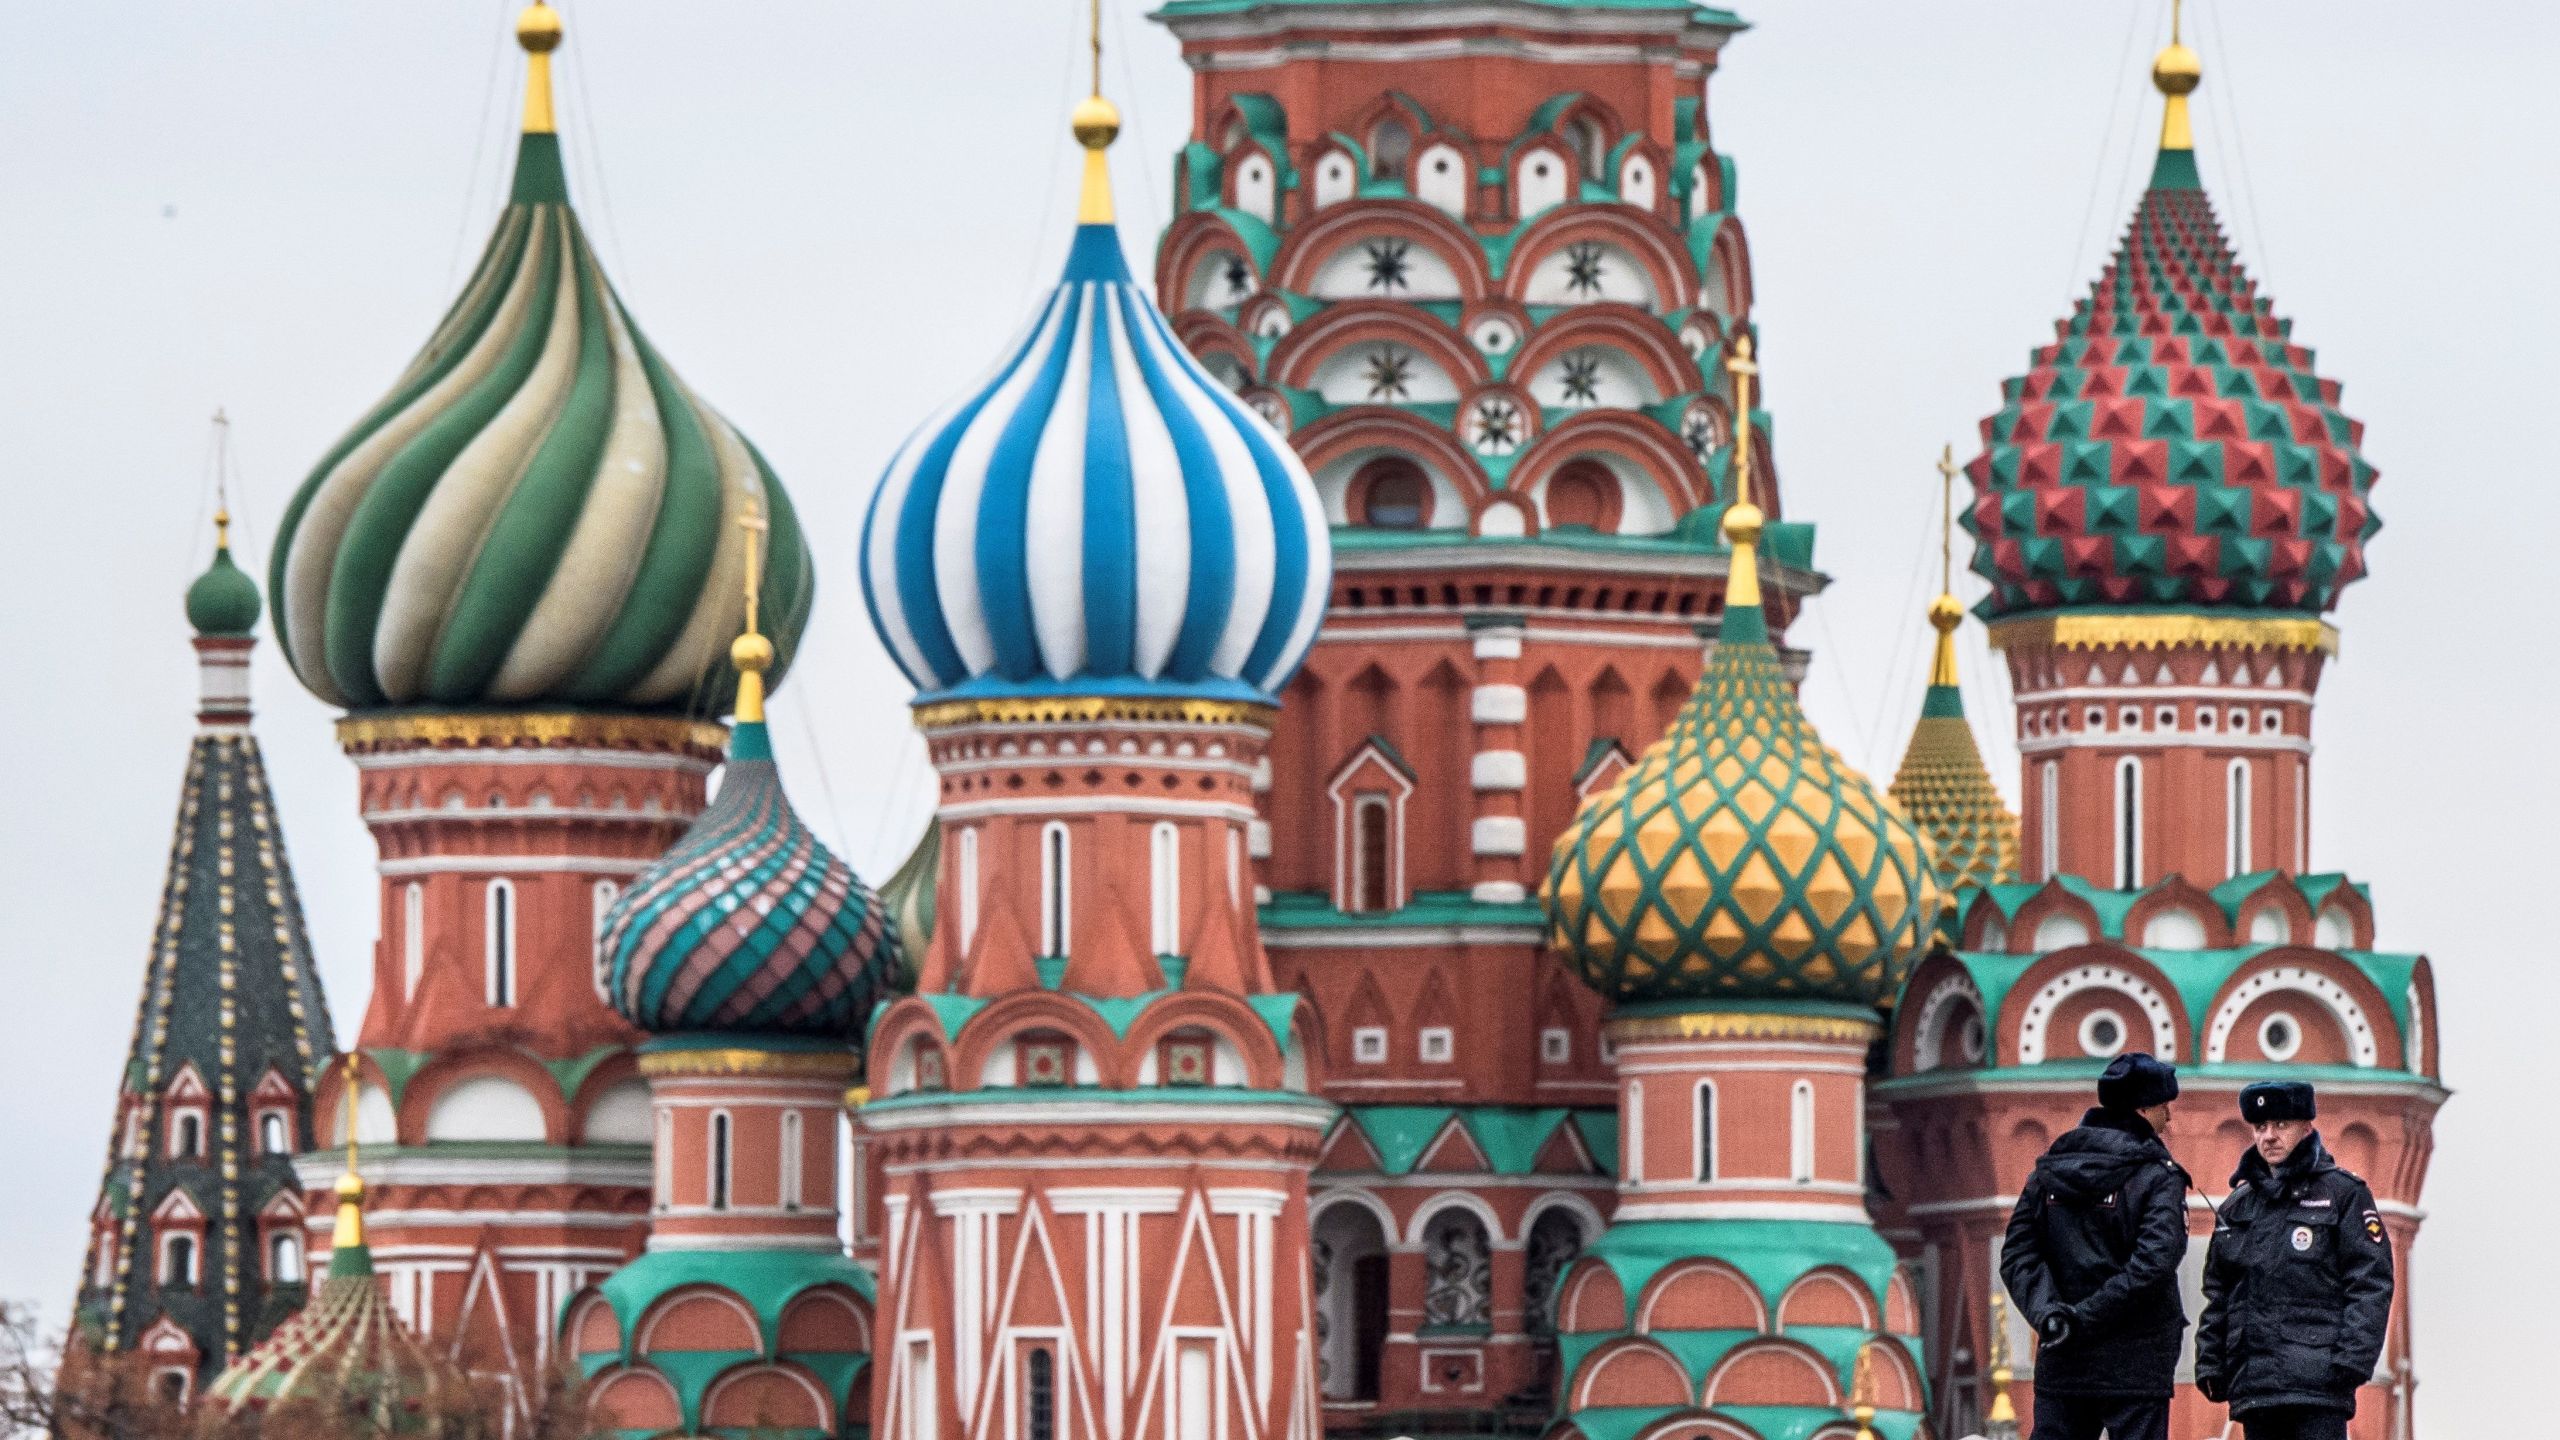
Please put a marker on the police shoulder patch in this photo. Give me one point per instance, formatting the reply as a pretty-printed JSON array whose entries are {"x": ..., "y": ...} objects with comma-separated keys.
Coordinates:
[{"x": 2373, "y": 1226}]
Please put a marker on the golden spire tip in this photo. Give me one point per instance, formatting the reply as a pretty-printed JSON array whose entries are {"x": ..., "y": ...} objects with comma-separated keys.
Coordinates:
[
  {"x": 1742, "y": 519},
  {"x": 1945, "y": 612},
  {"x": 2177, "y": 71},
  {"x": 751, "y": 652},
  {"x": 350, "y": 1229},
  {"x": 538, "y": 31},
  {"x": 1096, "y": 123}
]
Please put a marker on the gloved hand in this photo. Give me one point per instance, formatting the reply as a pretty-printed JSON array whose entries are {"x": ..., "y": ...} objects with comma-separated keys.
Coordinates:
[
  {"x": 2055, "y": 1329},
  {"x": 2212, "y": 1388}
]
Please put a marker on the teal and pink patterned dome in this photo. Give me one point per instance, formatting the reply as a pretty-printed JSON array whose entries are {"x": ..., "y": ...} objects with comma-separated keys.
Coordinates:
[
  {"x": 749, "y": 924},
  {"x": 2173, "y": 446}
]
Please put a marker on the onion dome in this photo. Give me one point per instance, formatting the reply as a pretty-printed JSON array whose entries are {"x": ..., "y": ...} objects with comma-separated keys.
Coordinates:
[
  {"x": 1740, "y": 858},
  {"x": 532, "y": 516},
  {"x": 1943, "y": 784},
  {"x": 1101, "y": 517},
  {"x": 345, "y": 1353},
  {"x": 223, "y": 600},
  {"x": 908, "y": 895},
  {"x": 749, "y": 923},
  {"x": 2173, "y": 446}
]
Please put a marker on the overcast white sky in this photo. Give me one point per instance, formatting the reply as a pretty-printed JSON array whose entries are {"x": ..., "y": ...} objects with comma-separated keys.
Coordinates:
[{"x": 829, "y": 215}]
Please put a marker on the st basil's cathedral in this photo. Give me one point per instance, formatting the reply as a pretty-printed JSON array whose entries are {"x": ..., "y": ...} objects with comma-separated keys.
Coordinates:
[{"x": 1391, "y": 954}]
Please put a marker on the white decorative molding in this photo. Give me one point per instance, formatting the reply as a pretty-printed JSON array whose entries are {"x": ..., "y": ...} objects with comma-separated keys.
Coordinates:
[
  {"x": 2364, "y": 1048},
  {"x": 1498, "y": 892},
  {"x": 2038, "y": 1015},
  {"x": 1501, "y": 835},
  {"x": 1499, "y": 770},
  {"x": 1500, "y": 704}
]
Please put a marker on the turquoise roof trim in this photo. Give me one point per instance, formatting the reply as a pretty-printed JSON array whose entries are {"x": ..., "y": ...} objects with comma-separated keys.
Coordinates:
[
  {"x": 1301, "y": 911},
  {"x": 1509, "y": 1136},
  {"x": 767, "y": 1280}
]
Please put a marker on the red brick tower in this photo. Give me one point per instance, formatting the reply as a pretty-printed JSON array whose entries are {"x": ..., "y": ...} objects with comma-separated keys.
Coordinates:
[
  {"x": 2167, "y": 506},
  {"x": 514, "y": 576},
  {"x": 1482, "y": 264}
]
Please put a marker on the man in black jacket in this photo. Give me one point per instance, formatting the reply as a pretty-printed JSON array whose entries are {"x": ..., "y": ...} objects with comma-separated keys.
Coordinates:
[
  {"x": 2091, "y": 1261},
  {"x": 2297, "y": 1284}
]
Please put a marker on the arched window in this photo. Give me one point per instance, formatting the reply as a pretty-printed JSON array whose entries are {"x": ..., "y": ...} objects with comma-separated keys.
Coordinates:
[
  {"x": 1351, "y": 1302},
  {"x": 284, "y": 1258},
  {"x": 2238, "y": 807},
  {"x": 1800, "y": 1134},
  {"x": 501, "y": 943},
  {"x": 1235, "y": 866},
  {"x": 187, "y": 1142},
  {"x": 1580, "y": 494},
  {"x": 1554, "y": 1242},
  {"x": 2128, "y": 823},
  {"x": 1706, "y": 1129},
  {"x": 602, "y": 897},
  {"x": 274, "y": 1136},
  {"x": 1164, "y": 888},
  {"x": 178, "y": 1262},
  {"x": 1633, "y": 1151},
  {"x": 1394, "y": 495},
  {"x": 1590, "y": 146},
  {"x": 1457, "y": 1261},
  {"x": 1039, "y": 1393},
  {"x": 791, "y": 1160},
  {"x": 1055, "y": 911},
  {"x": 1390, "y": 146},
  {"x": 413, "y": 936},
  {"x": 1372, "y": 850},
  {"x": 968, "y": 890},
  {"x": 2049, "y": 818},
  {"x": 720, "y": 1159}
]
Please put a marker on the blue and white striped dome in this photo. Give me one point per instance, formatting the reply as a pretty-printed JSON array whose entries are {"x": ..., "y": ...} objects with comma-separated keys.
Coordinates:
[{"x": 1099, "y": 518}]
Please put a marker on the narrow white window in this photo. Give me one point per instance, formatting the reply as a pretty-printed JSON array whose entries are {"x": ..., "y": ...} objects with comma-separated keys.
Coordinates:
[
  {"x": 968, "y": 889},
  {"x": 500, "y": 943},
  {"x": 2301, "y": 817},
  {"x": 1706, "y": 1103},
  {"x": 1800, "y": 1134},
  {"x": 1635, "y": 1132},
  {"x": 2239, "y": 811},
  {"x": 2128, "y": 823},
  {"x": 1372, "y": 858},
  {"x": 284, "y": 1259},
  {"x": 923, "y": 1395},
  {"x": 1164, "y": 888},
  {"x": 2049, "y": 817},
  {"x": 1194, "y": 1392},
  {"x": 1055, "y": 909},
  {"x": 857, "y": 1179},
  {"x": 605, "y": 893},
  {"x": 720, "y": 1147},
  {"x": 792, "y": 1160},
  {"x": 273, "y": 1136},
  {"x": 413, "y": 936},
  {"x": 664, "y": 1152},
  {"x": 1235, "y": 866}
]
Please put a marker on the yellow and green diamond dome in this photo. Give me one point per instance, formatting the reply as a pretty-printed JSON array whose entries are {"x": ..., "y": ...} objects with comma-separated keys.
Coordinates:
[{"x": 1740, "y": 858}]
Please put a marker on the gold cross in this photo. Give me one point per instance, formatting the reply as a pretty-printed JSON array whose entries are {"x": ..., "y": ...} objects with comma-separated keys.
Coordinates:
[
  {"x": 1741, "y": 366},
  {"x": 1947, "y": 520},
  {"x": 751, "y": 519}
]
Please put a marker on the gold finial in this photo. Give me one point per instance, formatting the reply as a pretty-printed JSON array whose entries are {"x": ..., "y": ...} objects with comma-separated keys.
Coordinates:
[
  {"x": 538, "y": 31},
  {"x": 2003, "y": 1410},
  {"x": 1945, "y": 612},
  {"x": 350, "y": 1231},
  {"x": 2177, "y": 70},
  {"x": 1096, "y": 122},
  {"x": 1862, "y": 1392},
  {"x": 751, "y": 652},
  {"x": 1742, "y": 519},
  {"x": 221, "y": 478}
]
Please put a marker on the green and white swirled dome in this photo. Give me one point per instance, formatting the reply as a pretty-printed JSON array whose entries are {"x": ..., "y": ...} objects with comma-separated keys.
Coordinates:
[{"x": 535, "y": 515}]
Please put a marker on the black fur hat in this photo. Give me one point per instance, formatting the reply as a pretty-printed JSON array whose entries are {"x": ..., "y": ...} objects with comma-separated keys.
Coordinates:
[{"x": 2278, "y": 1100}]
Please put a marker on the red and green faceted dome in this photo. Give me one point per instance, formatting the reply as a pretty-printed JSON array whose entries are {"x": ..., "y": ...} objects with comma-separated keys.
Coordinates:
[{"x": 2172, "y": 446}]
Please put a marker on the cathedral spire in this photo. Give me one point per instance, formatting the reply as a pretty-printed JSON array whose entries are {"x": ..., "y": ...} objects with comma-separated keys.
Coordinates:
[
  {"x": 2177, "y": 71},
  {"x": 1943, "y": 782}
]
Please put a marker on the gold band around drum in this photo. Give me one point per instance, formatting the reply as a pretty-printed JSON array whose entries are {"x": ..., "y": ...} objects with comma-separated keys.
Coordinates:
[
  {"x": 531, "y": 730},
  {"x": 1088, "y": 709},
  {"x": 723, "y": 1061},
  {"x": 1740, "y": 1025},
  {"x": 2154, "y": 632}
]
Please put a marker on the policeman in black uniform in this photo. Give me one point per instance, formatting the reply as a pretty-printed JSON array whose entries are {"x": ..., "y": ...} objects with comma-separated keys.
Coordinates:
[
  {"x": 2092, "y": 1260},
  {"x": 2297, "y": 1282}
]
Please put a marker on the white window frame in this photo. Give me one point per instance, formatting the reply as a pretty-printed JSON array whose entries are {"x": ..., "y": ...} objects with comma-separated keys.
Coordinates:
[
  {"x": 1164, "y": 888},
  {"x": 2128, "y": 818},
  {"x": 280, "y": 1245},
  {"x": 1369, "y": 1045},
  {"x": 1057, "y": 888},
  {"x": 499, "y": 913},
  {"x": 413, "y": 937},
  {"x": 919, "y": 1386},
  {"x": 1436, "y": 1045},
  {"x": 968, "y": 888},
  {"x": 195, "y": 1259},
  {"x": 1800, "y": 1137},
  {"x": 2049, "y": 817},
  {"x": 719, "y": 1158},
  {"x": 1706, "y": 1159},
  {"x": 794, "y": 1161},
  {"x": 2239, "y": 805},
  {"x": 1555, "y": 1045}
]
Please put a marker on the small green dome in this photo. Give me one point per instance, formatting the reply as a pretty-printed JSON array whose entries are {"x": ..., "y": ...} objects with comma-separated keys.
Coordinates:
[{"x": 224, "y": 600}]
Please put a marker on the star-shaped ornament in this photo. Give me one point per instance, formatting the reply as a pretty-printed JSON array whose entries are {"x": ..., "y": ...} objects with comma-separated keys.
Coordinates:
[
  {"x": 1581, "y": 381},
  {"x": 1388, "y": 263},
  {"x": 1390, "y": 374},
  {"x": 1585, "y": 266},
  {"x": 1497, "y": 426}
]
